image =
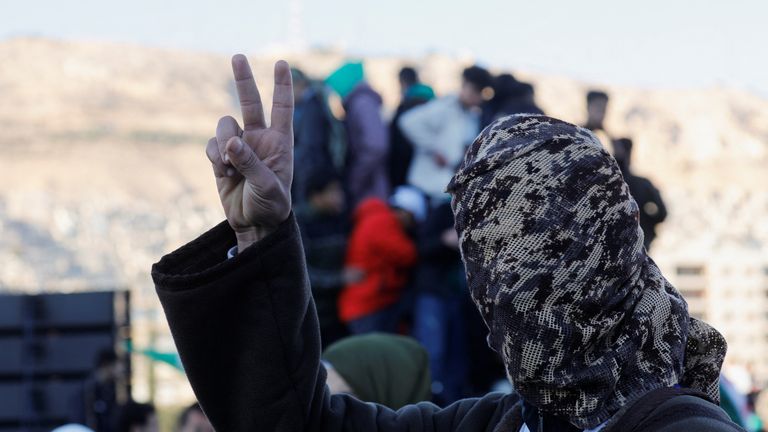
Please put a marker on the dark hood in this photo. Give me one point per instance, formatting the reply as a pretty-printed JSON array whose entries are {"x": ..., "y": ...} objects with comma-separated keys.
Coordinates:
[{"x": 583, "y": 318}]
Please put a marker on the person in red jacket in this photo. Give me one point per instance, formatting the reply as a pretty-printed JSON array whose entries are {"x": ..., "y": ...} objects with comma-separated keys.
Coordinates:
[{"x": 383, "y": 253}]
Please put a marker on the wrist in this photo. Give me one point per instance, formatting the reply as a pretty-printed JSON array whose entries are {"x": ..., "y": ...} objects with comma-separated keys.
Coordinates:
[{"x": 249, "y": 236}]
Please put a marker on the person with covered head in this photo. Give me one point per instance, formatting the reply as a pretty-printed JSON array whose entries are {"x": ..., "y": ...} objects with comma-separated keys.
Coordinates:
[
  {"x": 592, "y": 335},
  {"x": 387, "y": 369}
]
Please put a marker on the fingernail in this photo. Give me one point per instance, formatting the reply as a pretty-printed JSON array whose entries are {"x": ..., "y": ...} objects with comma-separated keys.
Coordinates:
[
  {"x": 226, "y": 157},
  {"x": 237, "y": 147},
  {"x": 230, "y": 172}
]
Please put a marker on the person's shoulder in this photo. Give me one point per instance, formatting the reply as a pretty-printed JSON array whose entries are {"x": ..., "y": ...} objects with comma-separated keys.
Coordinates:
[{"x": 672, "y": 409}]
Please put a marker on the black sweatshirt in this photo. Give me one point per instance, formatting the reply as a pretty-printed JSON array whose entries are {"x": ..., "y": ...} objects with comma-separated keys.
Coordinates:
[{"x": 247, "y": 332}]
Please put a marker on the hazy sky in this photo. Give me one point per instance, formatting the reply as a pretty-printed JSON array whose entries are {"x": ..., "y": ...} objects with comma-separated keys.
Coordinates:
[{"x": 651, "y": 42}]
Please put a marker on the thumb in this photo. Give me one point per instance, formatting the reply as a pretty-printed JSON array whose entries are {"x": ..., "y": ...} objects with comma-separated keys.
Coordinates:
[{"x": 246, "y": 162}]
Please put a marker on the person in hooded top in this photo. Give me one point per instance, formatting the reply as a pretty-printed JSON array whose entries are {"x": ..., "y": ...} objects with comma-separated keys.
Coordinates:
[
  {"x": 386, "y": 369},
  {"x": 381, "y": 248},
  {"x": 367, "y": 135},
  {"x": 592, "y": 335}
]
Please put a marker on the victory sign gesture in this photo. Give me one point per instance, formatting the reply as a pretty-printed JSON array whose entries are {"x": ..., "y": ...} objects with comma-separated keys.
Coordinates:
[{"x": 253, "y": 165}]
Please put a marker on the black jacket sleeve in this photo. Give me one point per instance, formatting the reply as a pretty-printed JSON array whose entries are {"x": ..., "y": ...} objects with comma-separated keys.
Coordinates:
[{"x": 247, "y": 333}]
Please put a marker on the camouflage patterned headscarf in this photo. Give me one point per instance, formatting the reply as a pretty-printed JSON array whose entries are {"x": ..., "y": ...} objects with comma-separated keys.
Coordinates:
[{"x": 583, "y": 318}]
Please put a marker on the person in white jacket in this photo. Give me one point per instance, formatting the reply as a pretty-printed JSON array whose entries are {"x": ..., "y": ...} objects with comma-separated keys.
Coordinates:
[{"x": 441, "y": 130}]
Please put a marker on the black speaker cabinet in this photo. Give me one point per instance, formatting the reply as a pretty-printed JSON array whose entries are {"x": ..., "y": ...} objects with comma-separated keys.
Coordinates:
[{"x": 49, "y": 344}]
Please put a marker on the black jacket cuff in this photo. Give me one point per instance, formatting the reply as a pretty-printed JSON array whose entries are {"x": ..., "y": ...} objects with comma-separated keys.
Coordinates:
[{"x": 205, "y": 258}]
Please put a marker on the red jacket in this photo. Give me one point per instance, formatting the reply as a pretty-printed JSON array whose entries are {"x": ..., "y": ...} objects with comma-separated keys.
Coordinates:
[{"x": 379, "y": 247}]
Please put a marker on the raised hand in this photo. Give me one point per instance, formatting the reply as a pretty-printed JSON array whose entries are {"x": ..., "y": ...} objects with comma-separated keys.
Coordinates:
[{"x": 253, "y": 165}]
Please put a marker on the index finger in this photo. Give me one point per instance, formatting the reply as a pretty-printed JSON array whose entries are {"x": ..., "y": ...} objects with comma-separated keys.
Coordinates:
[{"x": 248, "y": 93}]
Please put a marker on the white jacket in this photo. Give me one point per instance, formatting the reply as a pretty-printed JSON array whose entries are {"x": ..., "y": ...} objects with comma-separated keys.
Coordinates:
[{"x": 442, "y": 127}]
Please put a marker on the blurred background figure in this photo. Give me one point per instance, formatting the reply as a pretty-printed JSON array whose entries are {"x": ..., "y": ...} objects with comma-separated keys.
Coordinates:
[
  {"x": 387, "y": 369},
  {"x": 192, "y": 419},
  {"x": 440, "y": 131},
  {"x": 311, "y": 131},
  {"x": 367, "y": 135},
  {"x": 439, "y": 307},
  {"x": 95, "y": 405},
  {"x": 407, "y": 77},
  {"x": 510, "y": 96},
  {"x": 324, "y": 225},
  {"x": 382, "y": 250},
  {"x": 137, "y": 417},
  {"x": 652, "y": 209},
  {"x": 597, "y": 107},
  {"x": 414, "y": 93}
]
